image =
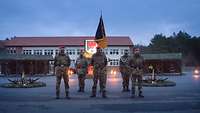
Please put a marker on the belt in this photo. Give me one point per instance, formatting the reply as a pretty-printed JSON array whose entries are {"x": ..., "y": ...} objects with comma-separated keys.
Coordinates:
[
  {"x": 62, "y": 65},
  {"x": 136, "y": 67}
]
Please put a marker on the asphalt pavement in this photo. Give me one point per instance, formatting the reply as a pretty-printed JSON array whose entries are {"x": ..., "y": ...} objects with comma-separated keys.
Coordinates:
[{"x": 182, "y": 98}]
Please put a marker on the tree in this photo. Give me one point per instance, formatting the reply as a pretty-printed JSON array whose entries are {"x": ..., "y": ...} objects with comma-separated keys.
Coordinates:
[{"x": 180, "y": 42}]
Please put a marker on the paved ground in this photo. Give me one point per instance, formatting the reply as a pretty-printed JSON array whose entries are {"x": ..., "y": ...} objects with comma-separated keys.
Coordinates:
[{"x": 183, "y": 98}]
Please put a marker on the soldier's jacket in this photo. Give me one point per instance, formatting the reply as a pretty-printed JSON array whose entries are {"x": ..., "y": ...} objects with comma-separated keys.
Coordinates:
[
  {"x": 81, "y": 66},
  {"x": 124, "y": 67},
  {"x": 61, "y": 61},
  {"x": 136, "y": 64},
  {"x": 99, "y": 61}
]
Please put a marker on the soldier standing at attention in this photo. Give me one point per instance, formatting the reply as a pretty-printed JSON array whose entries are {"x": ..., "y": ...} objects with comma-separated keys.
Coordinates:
[
  {"x": 81, "y": 69},
  {"x": 99, "y": 61},
  {"x": 62, "y": 63},
  {"x": 136, "y": 64},
  {"x": 125, "y": 71}
]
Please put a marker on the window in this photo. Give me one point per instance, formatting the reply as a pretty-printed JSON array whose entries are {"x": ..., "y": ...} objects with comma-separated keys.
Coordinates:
[
  {"x": 51, "y": 52},
  {"x": 37, "y": 52},
  {"x": 114, "y": 51},
  {"x": 73, "y": 51},
  {"x": 70, "y": 51},
  {"x": 27, "y": 52},
  {"x": 78, "y": 51},
  {"x": 11, "y": 50},
  {"x": 48, "y": 52},
  {"x": 57, "y": 51},
  {"x": 73, "y": 61},
  {"x": 122, "y": 51},
  {"x": 114, "y": 62},
  {"x": 106, "y": 51},
  {"x": 45, "y": 52},
  {"x": 126, "y": 50}
]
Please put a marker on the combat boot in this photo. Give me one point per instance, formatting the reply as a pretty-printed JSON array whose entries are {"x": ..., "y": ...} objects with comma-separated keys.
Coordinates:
[
  {"x": 67, "y": 95},
  {"x": 57, "y": 95},
  {"x": 133, "y": 93},
  {"x": 124, "y": 89},
  {"x": 140, "y": 94},
  {"x": 93, "y": 94},
  {"x": 79, "y": 90},
  {"x": 104, "y": 94},
  {"x": 82, "y": 89},
  {"x": 127, "y": 89}
]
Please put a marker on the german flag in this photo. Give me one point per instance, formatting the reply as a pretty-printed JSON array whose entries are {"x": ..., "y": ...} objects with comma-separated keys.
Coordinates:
[{"x": 100, "y": 36}]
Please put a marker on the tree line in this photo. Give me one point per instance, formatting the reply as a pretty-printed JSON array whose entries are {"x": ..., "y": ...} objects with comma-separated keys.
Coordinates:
[{"x": 180, "y": 42}]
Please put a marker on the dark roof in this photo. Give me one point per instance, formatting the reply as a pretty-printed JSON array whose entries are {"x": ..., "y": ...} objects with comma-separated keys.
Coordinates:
[
  {"x": 65, "y": 40},
  {"x": 6, "y": 56},
  {"x": 162, "y": 56}
]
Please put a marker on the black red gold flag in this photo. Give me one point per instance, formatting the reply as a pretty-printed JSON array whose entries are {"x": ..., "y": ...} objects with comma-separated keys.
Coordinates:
[{"x": 100, "y": 36}]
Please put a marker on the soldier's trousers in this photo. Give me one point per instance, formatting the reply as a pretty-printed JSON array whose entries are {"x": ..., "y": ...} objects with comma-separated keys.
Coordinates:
[
  {"x": 102, "y": 82},
  {"x": 81, "y": 79},
  {"x": 136, "y": 80},
  {"x": 61, "y": 73},
  {"x": 125, "y": 81}
]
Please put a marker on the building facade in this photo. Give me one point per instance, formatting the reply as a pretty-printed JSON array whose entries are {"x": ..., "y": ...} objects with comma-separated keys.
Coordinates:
[
  {"x": 34, "y": 55},
  {"x": 39, "y": 46}
]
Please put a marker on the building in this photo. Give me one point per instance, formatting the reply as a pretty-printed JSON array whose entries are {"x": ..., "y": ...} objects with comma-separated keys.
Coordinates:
[
  {"x": 34, "y": 55},
  {"x": 30, "y": 48},
  {"x": 164, "y": 63}
]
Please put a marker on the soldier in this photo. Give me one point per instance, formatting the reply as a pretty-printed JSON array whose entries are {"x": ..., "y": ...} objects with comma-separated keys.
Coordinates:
[
  {"x": 81, "y": 70},
  {"x": 62, "y": 63},
  {"x": 99, "y": 61},
  {"x": 125, "y": 72},
  {"x": 136, "y": 64}
]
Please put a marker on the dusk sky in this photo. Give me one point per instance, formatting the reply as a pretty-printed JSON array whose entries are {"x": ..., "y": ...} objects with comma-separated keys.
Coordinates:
[{"x": 139, "y": 19}]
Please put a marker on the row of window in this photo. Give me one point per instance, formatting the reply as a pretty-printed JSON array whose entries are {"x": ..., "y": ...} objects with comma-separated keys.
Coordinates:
[
  {"x": 73, "y": 51},
  {"x": 50, "y": 52},
  {"x": 11, "y": 50},
  {"x": 115, "y": 51}
]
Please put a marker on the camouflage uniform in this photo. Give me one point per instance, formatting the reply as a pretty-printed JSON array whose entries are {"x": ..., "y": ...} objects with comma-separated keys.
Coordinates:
[
  {"x": 136, "y": 65},
  {"x": 99, "y": 61},
  {"x": 81, "y": 70},
  {"x": 62, "y": 63},
  {"x": 125, "y": 71}
]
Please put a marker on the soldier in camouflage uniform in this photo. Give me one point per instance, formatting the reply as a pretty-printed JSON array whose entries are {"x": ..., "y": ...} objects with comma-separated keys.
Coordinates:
[
  {"x": 99, "y": 61},
  {"x": 81, "y": 70},
  {"x": 125, "y": 71},
  {"x": 62, "y": 63},
  {"x": 136, "y": 64}
]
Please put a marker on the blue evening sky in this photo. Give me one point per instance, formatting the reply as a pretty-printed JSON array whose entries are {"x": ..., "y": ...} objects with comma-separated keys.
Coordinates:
[{"x": 139, "y": 19}]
